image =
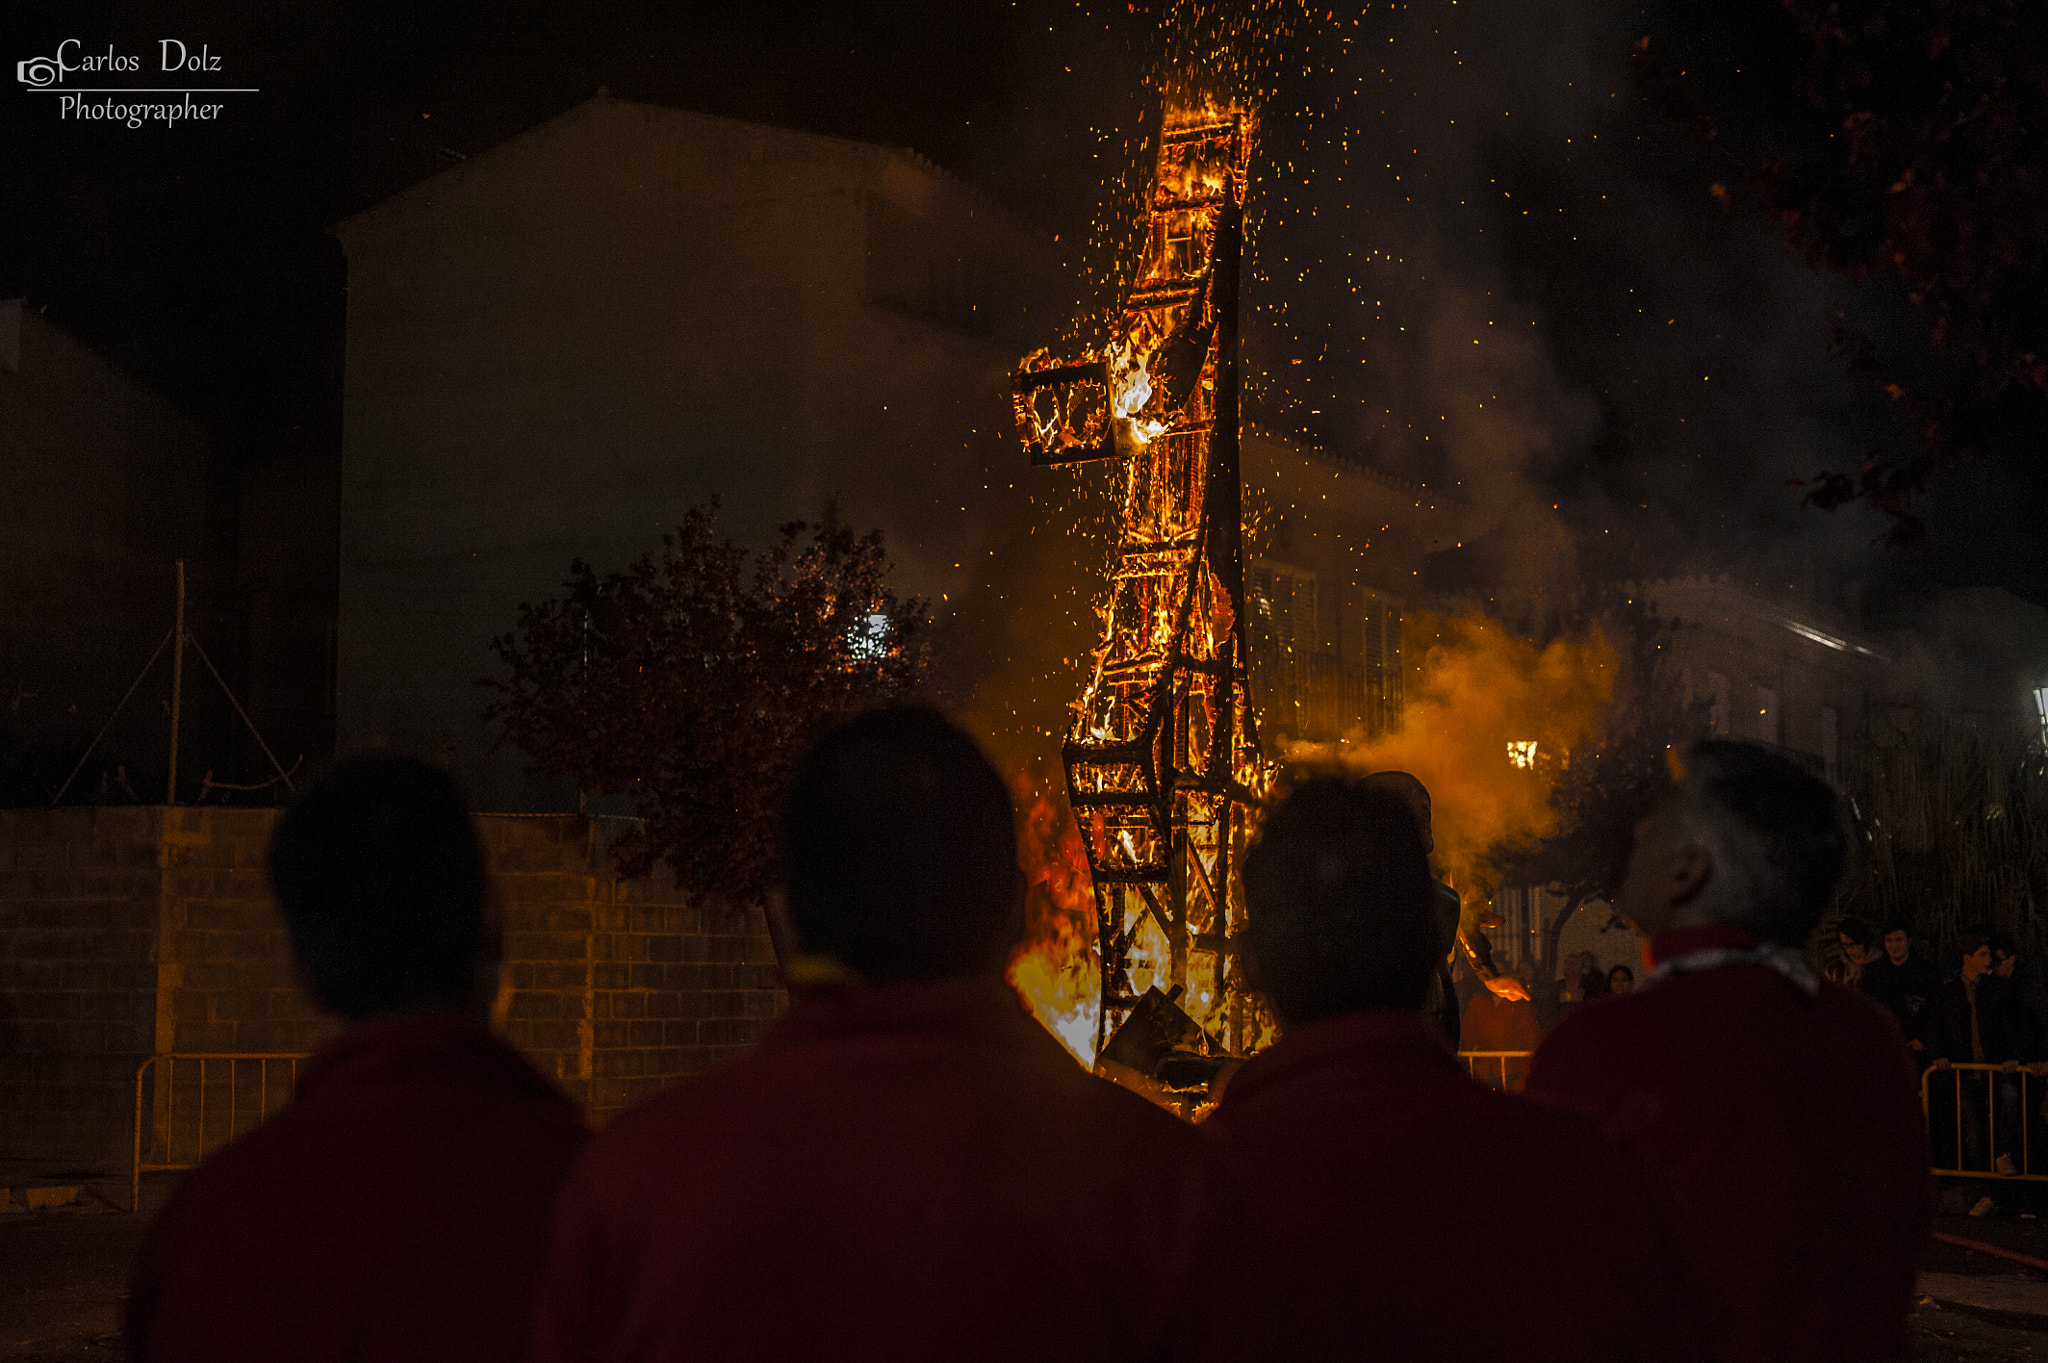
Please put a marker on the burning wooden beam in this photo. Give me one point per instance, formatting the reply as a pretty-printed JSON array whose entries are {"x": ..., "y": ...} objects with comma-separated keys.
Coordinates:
[{"x": 1162, "y": 760}]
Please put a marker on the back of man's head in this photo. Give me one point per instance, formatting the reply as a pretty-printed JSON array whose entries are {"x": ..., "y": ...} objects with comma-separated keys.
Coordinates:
[
  {"x": 1776, "y": 835},
  {"x": 899, "y": 851},
  {"x": 381, "y": 881},
  {"x": 1339, "y": 903},
  {"x": 1408, "y": 787}
]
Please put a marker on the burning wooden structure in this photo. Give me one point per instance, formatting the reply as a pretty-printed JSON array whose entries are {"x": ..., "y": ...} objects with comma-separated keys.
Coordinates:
[{"x": 1162, "y": 760}]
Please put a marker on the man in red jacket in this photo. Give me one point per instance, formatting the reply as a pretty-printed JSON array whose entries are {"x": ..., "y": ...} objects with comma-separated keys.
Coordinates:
[
  {"x": 1398, "y": 1209},
  {"x": 397, "y": 1208},
  {"x": 908, "y": 1167},
  {"x": 1781, "y": 1106}
]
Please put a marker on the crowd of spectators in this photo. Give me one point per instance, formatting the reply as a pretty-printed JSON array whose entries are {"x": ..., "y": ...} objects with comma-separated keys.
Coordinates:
[
  {"x": 909, "y": 1167},
  {"x": 1990, "y": 1008}
]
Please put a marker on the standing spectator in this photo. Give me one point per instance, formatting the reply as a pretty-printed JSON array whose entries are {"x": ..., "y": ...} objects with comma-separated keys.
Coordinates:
[
  {"x": 1859, "y": 949},
  {"x": 1496, "y": 1023},
  {"x": 2029, "y": 991},
  {"x": 909, "y": 1167},
  {"x": 1360, "y": 1139},
  {"x": 1620, "y": 980},
  {"x": 1903, "y": 983},
  {"x": 1974, "y": 1019},
  {"x": 1779, "y": 1105},
  {"x": 397, "y": 1207},
  {"x": 1593, "y": 984}
]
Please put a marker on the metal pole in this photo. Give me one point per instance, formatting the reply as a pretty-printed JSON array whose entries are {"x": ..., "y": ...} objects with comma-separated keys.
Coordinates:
[{"x": 177, "y": 685}]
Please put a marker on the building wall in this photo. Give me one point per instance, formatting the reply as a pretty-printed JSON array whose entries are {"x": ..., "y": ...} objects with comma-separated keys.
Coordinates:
[
  {"x": 116, "y": 483},
  {"x": 557, "y": 347},
  {"x": 126, "y": 933}
]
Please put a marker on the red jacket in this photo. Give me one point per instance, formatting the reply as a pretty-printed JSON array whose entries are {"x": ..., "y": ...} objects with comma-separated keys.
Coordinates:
[
  {"x": 1789, "y": 1125},
  {"x": 900, "y": 1173},
  {"x": 1401, "y": 1211},
  {"x": 396, "y": 1209}
]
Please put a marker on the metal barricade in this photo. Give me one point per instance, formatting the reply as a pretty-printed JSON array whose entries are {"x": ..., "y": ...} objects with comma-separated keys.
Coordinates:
[
  {"x": 1501, "y": 1058},
  {"x": 181, "y": 1131},
  {"x": 1959, "y": 1121}
]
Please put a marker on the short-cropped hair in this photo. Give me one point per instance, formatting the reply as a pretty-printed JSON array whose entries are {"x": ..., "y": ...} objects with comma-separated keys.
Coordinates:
[
  {"x": 1857, "y": 931},
  {"x": 1780, "y": 833},
  {"x": 899, "y": 850},
  {"x": 1972, "y": 941},
  {"x": 1339, "y": 903},
  {"x": 381, "y": 882}
]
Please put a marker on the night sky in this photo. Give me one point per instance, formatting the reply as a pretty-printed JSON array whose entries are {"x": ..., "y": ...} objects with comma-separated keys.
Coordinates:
[{"x": 1480, "y": 257}]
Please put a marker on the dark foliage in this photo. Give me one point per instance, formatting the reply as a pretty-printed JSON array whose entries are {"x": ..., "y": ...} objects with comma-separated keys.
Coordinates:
[
  {"x": 693, "y": 681},
  {"x": 1917, "y": 148}
]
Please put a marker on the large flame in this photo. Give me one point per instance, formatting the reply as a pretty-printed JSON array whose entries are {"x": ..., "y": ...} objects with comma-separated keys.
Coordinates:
[
  {"x": 1488, "y": 726},
  {"x": 1056, "y": 968}
]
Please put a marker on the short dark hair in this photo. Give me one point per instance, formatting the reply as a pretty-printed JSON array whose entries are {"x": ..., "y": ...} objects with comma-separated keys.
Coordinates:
[
  {"x": 1784, "y": 833},
  {"x": 1339, "y": 903},
  {"x": 2004, "y": 943},
  {"x": 1405, "y": 785},
  {"x": 380, "y": 879},
  {"x": 1971, "y": 940},
  {"x": 899, "y": 850},
  {"x": 1857, "y": 931},
  {"x": 1630, "y": 974}
]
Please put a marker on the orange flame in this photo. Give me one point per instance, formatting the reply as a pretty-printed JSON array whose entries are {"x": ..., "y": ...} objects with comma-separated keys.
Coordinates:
[{"x": 1055, "y": 969}]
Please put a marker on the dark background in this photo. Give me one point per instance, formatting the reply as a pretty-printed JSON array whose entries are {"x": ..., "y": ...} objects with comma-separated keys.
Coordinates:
[{"x": 1431, "y": 174}]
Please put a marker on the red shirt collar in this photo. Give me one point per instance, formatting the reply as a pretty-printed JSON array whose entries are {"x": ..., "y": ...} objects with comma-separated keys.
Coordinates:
[{"x": 1666, "y": 946}]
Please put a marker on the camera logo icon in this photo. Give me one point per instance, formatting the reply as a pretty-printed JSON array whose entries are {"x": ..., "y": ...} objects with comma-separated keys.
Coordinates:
[{"x": 39, "y": 72}]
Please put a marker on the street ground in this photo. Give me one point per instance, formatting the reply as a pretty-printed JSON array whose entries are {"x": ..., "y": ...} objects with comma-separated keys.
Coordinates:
[{"x": 63, "y": 1273}]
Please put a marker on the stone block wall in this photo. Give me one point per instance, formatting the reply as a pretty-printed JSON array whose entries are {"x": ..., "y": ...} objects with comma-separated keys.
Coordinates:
[
  {"x": 78, "y": 977},
  {"x": 127, "y": 933},
  {"x": 615, "y": 986}
]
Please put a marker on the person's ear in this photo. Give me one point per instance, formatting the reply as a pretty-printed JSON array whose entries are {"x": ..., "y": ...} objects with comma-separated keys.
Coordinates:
[
  {"x": 493, "y": 984},
  {"x": 1687, "y": 873}
]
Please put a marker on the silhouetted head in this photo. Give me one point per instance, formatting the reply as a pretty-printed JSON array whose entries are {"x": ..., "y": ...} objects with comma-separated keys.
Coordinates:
[
  {"x": 1413, "y": 794},
  {"x": 899, "y": 851},
  {"x": 381, "y": 881},
  {"x": 1340, "y": 906},
  {"x": 1745, "y": 838}
]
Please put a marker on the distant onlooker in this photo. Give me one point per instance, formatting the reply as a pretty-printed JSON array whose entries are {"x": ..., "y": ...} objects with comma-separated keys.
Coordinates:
[
  {"x": 1593, "y": 984},
  {"x": 1780, "y": 1106},
  {"x": 1501, "y": 1025},
  {"x": 1620, "y": 980},
  {"x": 1975, "y": 1019},
  {"x": 1859, "y": 949},
  {"x": 1360, "y": 1138},
  {"x": 397, "y": 1208},
  {"x": 2029, "y": 990},
  {"x": 1903, "y": 983}
]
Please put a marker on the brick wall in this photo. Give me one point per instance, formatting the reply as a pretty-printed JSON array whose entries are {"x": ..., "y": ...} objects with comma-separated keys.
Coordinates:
[
  {"x": 78, "y": 977},
  {"x": 612, "y": 986},
  {"x": 131, "y": 932}
]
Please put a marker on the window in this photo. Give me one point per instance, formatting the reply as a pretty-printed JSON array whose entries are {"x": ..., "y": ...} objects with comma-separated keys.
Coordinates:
[{"x": 1283, "y": 641}]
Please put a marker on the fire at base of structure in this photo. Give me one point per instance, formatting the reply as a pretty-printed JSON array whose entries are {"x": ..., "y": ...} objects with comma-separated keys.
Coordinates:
[{"x": 1162, "y": 760}]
